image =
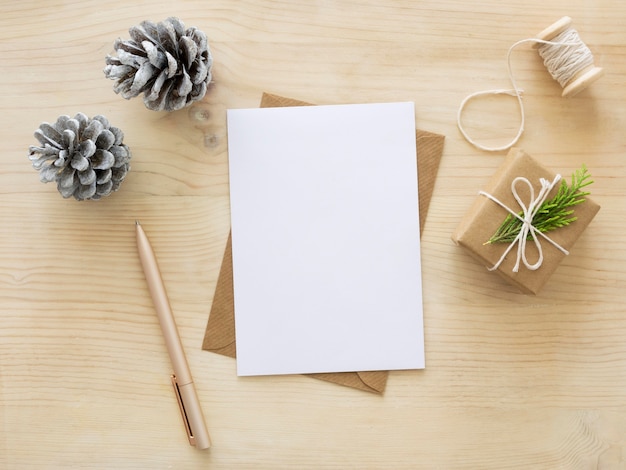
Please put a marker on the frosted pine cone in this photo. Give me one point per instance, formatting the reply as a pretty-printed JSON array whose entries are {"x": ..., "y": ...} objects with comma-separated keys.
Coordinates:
[
  {"x": 169, "y": 64},
  {"x": 85, "y": 157}
]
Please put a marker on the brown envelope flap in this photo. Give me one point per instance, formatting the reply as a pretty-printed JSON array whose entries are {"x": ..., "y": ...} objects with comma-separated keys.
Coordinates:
[
  {"x": 429, "y": 151},
  {"x": 369, "y": 381},
  {"x": 220, "y": 331}
]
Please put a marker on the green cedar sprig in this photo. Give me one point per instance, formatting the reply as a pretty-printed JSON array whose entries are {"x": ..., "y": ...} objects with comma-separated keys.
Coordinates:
[{"x": 552, "y": 214}]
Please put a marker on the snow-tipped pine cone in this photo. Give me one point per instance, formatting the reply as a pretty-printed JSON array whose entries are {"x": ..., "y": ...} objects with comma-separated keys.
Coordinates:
[
  {"x": 169, "y": 64},
  {"x": 85, "y": 157}
]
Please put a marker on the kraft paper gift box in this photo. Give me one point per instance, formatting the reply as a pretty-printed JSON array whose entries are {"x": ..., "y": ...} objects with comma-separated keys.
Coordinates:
[
  {"x": 220, "y": 331},
  {"x": 485, "y": 216}
]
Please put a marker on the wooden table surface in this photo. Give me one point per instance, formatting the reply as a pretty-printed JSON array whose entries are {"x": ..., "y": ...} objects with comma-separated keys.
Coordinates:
[{"x": 511, "y": 381}]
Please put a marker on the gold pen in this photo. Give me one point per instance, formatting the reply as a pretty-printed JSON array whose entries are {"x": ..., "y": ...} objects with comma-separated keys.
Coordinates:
[{"x": 181, "y": 380}]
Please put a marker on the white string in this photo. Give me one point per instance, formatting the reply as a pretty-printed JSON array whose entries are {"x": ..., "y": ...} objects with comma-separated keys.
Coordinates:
[
  {"x": 529, "y": 211},
  {"x": 565, "y": 56},
  {"x": 564, "y": 63}
]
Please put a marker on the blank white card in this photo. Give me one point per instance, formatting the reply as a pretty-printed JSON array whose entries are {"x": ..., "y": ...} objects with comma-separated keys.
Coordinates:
[{"x": 325, "y": 239}]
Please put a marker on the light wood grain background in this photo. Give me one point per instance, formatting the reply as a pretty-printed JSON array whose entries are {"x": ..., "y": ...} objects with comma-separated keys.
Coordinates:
[{"x": 512, "y": 381}]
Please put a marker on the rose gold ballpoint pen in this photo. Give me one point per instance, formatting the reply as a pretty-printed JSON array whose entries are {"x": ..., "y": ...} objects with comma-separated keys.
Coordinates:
[{"x": 183, "y": 384}]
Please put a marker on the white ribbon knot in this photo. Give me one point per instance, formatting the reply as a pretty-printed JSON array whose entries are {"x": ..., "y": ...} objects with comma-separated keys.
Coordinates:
[{"x": 528, "y": 213}]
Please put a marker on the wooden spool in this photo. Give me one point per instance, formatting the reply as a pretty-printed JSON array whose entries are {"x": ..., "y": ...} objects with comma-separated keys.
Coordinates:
[{"x": 583, "y": 78}]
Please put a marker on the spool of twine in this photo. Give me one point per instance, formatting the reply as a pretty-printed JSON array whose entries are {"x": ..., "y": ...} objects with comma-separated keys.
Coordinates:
[{"x": 566, "y": 57}]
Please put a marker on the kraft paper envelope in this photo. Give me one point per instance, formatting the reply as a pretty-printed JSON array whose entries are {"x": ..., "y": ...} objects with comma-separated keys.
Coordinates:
[{"x": 220, "y": 331}]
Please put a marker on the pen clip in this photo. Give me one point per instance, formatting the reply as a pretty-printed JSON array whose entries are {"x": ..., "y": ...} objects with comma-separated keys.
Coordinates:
[{"x": 181, "y": 405}]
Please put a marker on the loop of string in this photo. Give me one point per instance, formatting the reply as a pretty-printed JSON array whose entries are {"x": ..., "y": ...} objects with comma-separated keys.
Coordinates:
[
  {"x": 528, "y": 213},
  {"x": 564, "y": 57}
]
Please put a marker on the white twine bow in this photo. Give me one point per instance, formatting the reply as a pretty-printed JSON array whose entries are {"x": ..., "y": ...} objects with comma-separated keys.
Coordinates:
[{"x": 528, "y": 213}]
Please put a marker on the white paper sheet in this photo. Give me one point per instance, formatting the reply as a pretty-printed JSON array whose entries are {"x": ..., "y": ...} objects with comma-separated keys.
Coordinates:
[{"x": 325, "y": 237}]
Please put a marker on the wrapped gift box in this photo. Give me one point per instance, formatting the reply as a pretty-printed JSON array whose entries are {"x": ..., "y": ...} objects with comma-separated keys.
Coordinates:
[{"x": 486, "y": 215}]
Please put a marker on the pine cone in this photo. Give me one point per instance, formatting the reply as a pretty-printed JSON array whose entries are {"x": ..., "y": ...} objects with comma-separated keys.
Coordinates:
[
  {"x": 171, "y": 66},
  {"x": 85, "y": 157}
]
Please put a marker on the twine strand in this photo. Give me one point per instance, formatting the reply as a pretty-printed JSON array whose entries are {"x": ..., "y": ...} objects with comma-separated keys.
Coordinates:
[{"x": 564, "y": 57}]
